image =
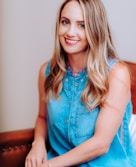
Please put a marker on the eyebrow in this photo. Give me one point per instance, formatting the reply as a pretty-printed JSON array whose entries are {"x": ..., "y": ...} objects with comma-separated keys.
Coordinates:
[{"x": 78, "y": 21}]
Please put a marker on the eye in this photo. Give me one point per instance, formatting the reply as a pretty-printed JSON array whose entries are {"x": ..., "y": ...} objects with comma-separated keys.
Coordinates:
[
  {"x": 82, "y": 25},
  {"x": 64, "y": 22}
]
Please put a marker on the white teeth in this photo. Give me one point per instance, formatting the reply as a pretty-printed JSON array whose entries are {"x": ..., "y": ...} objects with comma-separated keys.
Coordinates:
[{"x": 71, "y": 41}]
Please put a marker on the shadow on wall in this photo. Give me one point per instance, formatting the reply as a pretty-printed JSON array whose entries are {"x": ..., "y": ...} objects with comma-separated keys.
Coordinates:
[{"x": 0, "y": 62}]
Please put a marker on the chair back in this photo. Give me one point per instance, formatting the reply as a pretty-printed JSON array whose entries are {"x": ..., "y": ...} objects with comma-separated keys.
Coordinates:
[{"x": 132, "y": 68}]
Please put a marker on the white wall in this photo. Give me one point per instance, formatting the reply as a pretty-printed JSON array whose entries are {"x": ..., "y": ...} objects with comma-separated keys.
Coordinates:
[
  {"x": 27, "y": 29},
  {"x": 121, "y": 14},
  {"x": 27, "y": 33},
  {"x": 0, "y": 65}
]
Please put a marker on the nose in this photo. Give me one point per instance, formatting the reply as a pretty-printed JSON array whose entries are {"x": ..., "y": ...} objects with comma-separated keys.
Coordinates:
[{"x": 71, "y": 30}]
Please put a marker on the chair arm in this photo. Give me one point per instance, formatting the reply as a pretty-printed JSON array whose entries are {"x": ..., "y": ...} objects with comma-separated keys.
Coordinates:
[{"x": 14, "y": 146}]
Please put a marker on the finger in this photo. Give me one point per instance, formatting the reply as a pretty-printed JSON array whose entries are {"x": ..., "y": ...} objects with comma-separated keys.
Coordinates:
[
  {"x": 28, "y": 163},
  {"x": 33, "y": 162},
  {"x": 38, "y": 161},
  {"x": 44, "y": 160}
]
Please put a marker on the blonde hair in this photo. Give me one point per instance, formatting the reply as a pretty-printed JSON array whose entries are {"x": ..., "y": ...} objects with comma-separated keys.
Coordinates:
[{"x": 100, "y": 49}]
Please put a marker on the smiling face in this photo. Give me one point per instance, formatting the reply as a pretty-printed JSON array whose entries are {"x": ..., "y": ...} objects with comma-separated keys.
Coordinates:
[{"x": 72, "y": 34}]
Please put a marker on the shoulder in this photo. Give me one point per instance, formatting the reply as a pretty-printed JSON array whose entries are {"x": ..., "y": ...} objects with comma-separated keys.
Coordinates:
[
  {"x": 42, "y": 69},
  {"x": 41, "y": 78},
  {"x": 120, "y": 71}
]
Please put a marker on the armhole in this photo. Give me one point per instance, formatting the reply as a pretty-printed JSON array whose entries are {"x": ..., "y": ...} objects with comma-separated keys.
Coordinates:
[
  {"x": 111, "y": 63},
  {"x": 47, "y": 69}
]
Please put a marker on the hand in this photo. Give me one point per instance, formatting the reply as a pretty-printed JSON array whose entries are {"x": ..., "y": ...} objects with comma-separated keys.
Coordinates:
[
  {"x": 45, "y": 164},
  {"x": 36, "y": 156}
]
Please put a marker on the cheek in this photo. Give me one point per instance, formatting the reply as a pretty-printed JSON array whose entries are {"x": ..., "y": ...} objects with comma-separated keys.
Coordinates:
[
  {"x": 85, "y": 38},
  {"x": 61, "y": 34},
  {"x": 61, "y": 31},
  {"x": 86, "y": 41}
]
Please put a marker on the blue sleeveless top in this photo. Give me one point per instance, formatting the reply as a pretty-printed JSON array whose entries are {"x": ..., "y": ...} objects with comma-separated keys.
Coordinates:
[{"x": 70, "y": 124}]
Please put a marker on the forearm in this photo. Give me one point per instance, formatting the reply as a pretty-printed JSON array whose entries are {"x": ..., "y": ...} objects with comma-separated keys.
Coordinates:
[
  {"x": 40, "y": 134},
  {"x": 85, "y": 152}
]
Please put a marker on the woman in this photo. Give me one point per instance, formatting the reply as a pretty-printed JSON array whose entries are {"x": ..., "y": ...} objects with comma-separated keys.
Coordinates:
[{"x": 86, "y": 107}]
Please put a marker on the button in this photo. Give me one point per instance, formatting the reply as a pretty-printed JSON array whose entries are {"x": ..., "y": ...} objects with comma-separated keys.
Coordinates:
[
  {"x": 76, "y": 84},
  {"x": 70, "y": 102},
  {"x": 67, "y": 121},
  {"x": 81, "y": 80},
  {"x": 66, "y": 79}
]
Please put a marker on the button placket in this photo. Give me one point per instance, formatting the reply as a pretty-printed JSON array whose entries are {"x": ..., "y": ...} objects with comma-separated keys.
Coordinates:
[
  {"x": 72, "y": 86},
  {"x": 76, "y": 84}
]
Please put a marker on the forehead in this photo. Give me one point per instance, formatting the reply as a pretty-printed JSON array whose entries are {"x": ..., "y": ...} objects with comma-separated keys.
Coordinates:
[{"x": 72, "y": 10}]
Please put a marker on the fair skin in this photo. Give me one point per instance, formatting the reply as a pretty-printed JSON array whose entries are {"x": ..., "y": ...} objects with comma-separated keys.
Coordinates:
[
  {"x": 37, "y": 154},
  {"x": 73, "y": 39},
  {"x": 72, "y": 35}
]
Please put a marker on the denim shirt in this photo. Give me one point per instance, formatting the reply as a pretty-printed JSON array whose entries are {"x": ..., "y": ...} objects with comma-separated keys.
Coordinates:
[{"x": 70, "y": 124}]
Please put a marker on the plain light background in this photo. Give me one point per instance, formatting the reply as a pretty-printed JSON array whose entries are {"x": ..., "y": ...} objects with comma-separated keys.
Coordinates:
[{"x": 27, "y": 40}]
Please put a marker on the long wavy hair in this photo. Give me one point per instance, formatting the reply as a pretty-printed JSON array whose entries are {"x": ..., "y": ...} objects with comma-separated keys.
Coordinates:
[{"x": 100, "y": 49}]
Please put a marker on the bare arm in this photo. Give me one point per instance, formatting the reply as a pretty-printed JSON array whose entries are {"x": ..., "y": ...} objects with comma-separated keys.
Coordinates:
[
  {"x": 37, "y": 154},
  {"x": 41, "y": 124},
  {"x": 107, "y": 124}
]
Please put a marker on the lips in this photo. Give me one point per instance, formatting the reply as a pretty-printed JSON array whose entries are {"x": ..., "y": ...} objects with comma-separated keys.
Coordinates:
[{"x": 70, "y": 41}]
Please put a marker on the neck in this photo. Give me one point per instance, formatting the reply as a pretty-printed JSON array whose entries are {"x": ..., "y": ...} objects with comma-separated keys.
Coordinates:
[{"x": 77, "y": 63}]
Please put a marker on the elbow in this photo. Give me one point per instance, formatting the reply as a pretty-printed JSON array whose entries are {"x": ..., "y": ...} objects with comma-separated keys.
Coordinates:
[
  {"x": 103, "y": 147},
  {"x": 102, "y": 144}
]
